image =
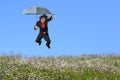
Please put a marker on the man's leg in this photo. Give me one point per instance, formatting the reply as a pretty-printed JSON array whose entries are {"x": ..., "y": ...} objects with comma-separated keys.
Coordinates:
[
  {"x": 38, "y": 39},
  {"x": 47, "y": 39}
]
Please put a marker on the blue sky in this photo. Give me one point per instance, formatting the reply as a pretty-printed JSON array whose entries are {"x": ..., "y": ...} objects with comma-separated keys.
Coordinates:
[{"x": 79, "y": 27}]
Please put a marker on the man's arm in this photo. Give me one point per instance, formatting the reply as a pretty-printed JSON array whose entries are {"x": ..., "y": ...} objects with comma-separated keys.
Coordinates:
[
  {"x": 50, "y": 18},
  {"x": 36, "y": 26}
]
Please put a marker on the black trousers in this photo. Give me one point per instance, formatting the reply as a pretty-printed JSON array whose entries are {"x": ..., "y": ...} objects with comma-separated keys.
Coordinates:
[{"x": 45, "y": 36}]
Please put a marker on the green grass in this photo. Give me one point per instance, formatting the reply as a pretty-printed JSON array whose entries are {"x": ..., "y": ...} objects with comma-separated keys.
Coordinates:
[{"x": 15, "y": 67}]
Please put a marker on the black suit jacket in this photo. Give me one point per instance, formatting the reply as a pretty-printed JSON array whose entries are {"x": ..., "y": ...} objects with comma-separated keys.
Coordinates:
[{"x": 46, "y": 25}]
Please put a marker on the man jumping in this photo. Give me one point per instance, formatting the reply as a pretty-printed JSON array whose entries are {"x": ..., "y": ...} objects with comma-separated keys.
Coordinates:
[{"x": 42, "y": 24}]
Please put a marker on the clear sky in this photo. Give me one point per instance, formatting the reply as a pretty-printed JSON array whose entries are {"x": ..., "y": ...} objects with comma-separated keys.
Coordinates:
[{"x": 79, "y": 27}]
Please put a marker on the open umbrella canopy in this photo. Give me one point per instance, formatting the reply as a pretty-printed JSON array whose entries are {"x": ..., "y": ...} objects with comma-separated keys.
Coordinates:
[{"x": 36, "y": 10}]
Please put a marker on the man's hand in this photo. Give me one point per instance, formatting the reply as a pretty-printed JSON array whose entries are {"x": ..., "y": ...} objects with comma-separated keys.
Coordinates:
[
  {"x": 53, "y": 16},
  {"x": 44, "y": 33},
  {"x": 36, "y": 27}
]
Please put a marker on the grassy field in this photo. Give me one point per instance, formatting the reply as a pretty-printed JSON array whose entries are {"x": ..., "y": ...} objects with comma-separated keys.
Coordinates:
[{"x": 15, "y": 67}]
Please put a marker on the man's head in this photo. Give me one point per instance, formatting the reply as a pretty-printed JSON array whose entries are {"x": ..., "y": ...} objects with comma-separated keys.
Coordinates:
[{"x": 43, "y": 18}]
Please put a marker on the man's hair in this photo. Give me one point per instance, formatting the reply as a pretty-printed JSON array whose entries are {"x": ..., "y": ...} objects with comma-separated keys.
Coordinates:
[{"x": 43, "y": 16}]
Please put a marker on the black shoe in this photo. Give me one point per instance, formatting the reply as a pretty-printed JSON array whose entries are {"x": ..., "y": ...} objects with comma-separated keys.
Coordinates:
[
  {"x": 39, "y": 43},
  {"x": 48, "y": 45}
]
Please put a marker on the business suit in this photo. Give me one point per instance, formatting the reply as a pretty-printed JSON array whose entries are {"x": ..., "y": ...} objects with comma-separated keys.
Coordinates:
[{"x": 43, "y": 30}]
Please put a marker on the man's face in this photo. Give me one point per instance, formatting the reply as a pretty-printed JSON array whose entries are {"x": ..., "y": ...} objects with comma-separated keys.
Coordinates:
[{"x": 42, "y": 20}]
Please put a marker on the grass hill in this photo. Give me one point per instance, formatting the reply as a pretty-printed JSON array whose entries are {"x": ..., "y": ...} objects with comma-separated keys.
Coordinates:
[{"x": 15, "y": 67}]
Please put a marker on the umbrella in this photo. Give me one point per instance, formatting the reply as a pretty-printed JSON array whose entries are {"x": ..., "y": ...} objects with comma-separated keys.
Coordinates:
[{"x": 36, "y": 10}]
